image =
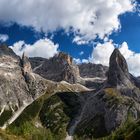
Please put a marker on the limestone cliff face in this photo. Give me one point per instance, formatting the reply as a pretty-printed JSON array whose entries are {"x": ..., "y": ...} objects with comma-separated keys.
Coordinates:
[
  {"x": 58, "y": 68},
  {"x": 120, "y": 78},
  {"x": 16, "y": 84},
  {"x": 35, "y": 83},
  {"x": 90, "y": 70},
  {"x": 13, "y": 88},
  {"x": 118, "y": 74}
]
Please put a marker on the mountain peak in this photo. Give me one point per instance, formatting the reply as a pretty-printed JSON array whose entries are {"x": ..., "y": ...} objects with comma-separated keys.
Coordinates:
[
  {"x": 65, "y": 57},
  {"x": 26, "y": 63},
  {"x": 118, "y": 73}
]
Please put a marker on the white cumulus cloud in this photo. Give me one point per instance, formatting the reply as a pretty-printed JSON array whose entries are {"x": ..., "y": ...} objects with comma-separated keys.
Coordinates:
[
  {"x": 101, "y": 54},
  {"x": 86, "y": 18},
  {"x": 3, "y": 37},
  {"x": 41, "y": 48}
]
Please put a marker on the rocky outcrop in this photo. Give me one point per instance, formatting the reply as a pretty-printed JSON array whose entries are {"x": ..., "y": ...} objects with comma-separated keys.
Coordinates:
[
  {"x": 89, "y": 70},
  {"x": 12, "y": 84},
  {"x": 120, "y": 78},
  {"x": 118, "y": 74},
  {"x": 26, "y": 64},
  {"x": 92, "y": 75},
  {"x": 65, "y": 58},
  {"x": 36, "y": 84},
  {"x": 58, "y": 68}
]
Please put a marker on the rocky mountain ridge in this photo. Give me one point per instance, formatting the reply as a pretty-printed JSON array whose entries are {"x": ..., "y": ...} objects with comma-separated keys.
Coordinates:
[
  {"x": 61, "y": 67},
  {"x": 63, "y": 100},
  {"x": 85, "y": 70}
]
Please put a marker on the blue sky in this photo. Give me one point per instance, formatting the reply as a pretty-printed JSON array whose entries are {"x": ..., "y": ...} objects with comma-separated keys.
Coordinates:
[
  {"x": 17, "y": 33},
  {"x": 130, "y": 32},
  {"x": 63, "y": 24}
]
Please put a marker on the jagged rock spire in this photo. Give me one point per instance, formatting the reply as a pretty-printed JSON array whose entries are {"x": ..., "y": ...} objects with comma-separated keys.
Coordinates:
[
  {"x": 26, "y": 64},
  {"x": 65, "y": 57},
  {"x": 118, "y": 74}
]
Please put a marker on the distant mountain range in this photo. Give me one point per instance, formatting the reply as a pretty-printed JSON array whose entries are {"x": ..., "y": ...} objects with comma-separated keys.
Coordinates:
[{"x": 55, "y": 99}]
